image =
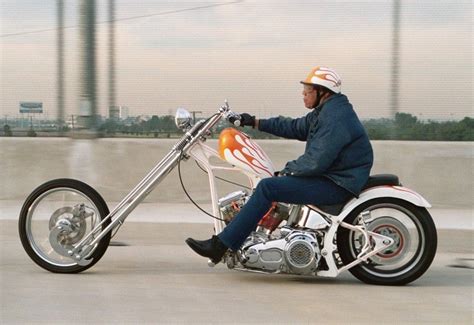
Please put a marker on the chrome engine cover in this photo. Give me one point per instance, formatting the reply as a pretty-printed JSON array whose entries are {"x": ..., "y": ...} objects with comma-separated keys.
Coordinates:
[
  {"x": 302, "y": 253},
  {"x": 297, "y": 253}
]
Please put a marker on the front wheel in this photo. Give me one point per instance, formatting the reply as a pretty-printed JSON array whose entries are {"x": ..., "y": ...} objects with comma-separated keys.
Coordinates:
[
  {"x": 55, "y": 217},
  {"x": 415, "y": 241}
]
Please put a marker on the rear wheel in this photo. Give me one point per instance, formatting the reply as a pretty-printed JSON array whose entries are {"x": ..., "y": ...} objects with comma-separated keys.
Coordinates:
[
  {"x": 56, "y": 217},
  {"x": 415, "y": 241}
]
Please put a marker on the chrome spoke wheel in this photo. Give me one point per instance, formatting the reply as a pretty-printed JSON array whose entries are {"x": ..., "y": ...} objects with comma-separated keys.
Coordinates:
[
  {"x": 55, "y": 218},
  {"x": 53, "y": 234}
]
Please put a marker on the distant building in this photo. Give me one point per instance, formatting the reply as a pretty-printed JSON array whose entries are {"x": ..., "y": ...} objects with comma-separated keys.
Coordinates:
[
  {"x": 124, "y": 112},
  {"x": 114, "y": 112},
  {"x": 118, "y": 112}
]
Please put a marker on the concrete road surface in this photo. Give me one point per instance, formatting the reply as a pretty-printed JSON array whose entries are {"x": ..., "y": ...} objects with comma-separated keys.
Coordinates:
[{"x": 155, "y": 278}]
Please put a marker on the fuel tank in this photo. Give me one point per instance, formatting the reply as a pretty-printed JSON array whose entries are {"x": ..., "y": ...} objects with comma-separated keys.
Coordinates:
[{"x": 239, "y": 150}]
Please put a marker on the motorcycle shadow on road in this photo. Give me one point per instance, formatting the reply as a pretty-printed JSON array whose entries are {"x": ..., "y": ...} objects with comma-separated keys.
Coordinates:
[{"x": 343, "y": 279}]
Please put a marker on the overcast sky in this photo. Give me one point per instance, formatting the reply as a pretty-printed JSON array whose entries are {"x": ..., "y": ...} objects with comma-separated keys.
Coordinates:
[{"x": 254, "y": 53}]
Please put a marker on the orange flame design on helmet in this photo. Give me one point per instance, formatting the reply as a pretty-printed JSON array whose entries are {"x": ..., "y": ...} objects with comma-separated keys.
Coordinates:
[
  {"x": 326, "y": 77},
  {"x": 237, "y": 148}
]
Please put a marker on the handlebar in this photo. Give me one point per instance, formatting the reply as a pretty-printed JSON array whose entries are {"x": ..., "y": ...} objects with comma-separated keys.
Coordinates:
[{"x": 232, "y": 117}]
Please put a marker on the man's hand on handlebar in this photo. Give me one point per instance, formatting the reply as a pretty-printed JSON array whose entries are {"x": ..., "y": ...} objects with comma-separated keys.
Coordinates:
[{"x": 243, "y": 119}]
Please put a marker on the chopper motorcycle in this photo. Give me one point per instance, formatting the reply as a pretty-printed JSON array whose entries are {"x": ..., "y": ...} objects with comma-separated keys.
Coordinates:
[{"x": 385, "y": 236}]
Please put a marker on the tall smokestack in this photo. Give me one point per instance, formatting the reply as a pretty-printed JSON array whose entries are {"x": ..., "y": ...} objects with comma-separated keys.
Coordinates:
[
  {"x": 60, "y": 63},
  {"x": 87, "y": 96},
  {"x": 111, "y": 53},
  {"x": 394, "y": 99}
]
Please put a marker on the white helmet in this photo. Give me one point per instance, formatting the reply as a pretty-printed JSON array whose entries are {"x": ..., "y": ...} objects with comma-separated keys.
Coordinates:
[{"x": 325, "y": 77}]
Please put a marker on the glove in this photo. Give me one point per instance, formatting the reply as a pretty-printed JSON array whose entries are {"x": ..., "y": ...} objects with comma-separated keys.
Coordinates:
[
  {"x": 243, "y": 119},
  {"x": 247, "y": 120}
]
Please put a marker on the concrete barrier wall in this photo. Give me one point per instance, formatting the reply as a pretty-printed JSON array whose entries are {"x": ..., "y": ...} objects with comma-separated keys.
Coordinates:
[{"x": 441, "y": 171}]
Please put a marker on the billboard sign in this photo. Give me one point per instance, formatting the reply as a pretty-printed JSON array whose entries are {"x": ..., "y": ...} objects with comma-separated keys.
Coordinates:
[{"x": 31, "y": 107}]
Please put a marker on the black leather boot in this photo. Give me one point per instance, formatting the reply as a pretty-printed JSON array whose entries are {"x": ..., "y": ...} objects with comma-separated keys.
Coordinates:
[{"x": 212, "y": 248}]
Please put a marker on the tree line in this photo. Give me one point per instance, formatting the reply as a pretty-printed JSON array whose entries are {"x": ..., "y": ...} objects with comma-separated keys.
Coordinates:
[
  {"x": 407, "y": 127},
  {"x": 403, "y": 127},
  {"x": 155, "y": 126}
]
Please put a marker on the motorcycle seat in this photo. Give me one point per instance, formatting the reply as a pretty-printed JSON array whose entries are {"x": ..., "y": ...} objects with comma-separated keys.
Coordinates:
[
  {"x": 374, "y": 180},
  {"x": 380, "y": 180}
]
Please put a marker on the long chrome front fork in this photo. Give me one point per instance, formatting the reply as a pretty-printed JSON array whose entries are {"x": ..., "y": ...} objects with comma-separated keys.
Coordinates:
[{"x": 83, "y": 249}]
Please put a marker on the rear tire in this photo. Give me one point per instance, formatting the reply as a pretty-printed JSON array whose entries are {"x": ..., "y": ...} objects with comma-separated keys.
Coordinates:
[
  {"x": 408, "y": 258},
  {"x": 37, "y": 246}
]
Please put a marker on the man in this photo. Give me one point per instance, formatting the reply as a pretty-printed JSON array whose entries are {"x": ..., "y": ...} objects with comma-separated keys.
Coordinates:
[{"x": 334, "y": 167}]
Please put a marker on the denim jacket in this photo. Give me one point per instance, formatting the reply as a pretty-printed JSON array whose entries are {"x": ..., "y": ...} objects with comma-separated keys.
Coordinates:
[{"x": 337, "y": 146}]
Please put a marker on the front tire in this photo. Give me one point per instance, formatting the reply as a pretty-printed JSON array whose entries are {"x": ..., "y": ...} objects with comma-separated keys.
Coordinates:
[
  {"x": 414, "y": 248},
  {"x": 65, "y": 202}
]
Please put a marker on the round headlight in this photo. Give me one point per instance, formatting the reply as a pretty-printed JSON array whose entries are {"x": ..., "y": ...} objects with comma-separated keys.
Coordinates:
[{"x": 183, "y": 118}]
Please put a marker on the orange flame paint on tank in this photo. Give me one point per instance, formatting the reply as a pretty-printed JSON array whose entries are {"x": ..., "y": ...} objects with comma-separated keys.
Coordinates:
[{"x": 239, "y": 150}]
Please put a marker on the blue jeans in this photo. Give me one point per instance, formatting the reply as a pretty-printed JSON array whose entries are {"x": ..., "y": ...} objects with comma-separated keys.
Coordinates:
[{"x": 288, "y": 189}]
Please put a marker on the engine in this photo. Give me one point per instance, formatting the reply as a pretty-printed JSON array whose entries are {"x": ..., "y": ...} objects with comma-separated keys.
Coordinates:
[
  {"x": 231, "y": 204},
  {"x": 288, "y": 250},
  {"x": 297, "y": 253}
]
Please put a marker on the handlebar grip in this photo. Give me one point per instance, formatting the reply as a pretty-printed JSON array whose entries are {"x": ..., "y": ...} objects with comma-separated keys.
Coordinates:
[{"x": 235, "y": 120}]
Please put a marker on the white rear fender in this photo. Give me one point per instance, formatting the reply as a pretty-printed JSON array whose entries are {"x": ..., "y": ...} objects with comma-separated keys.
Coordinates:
[{"x": 397, "y": 192}]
